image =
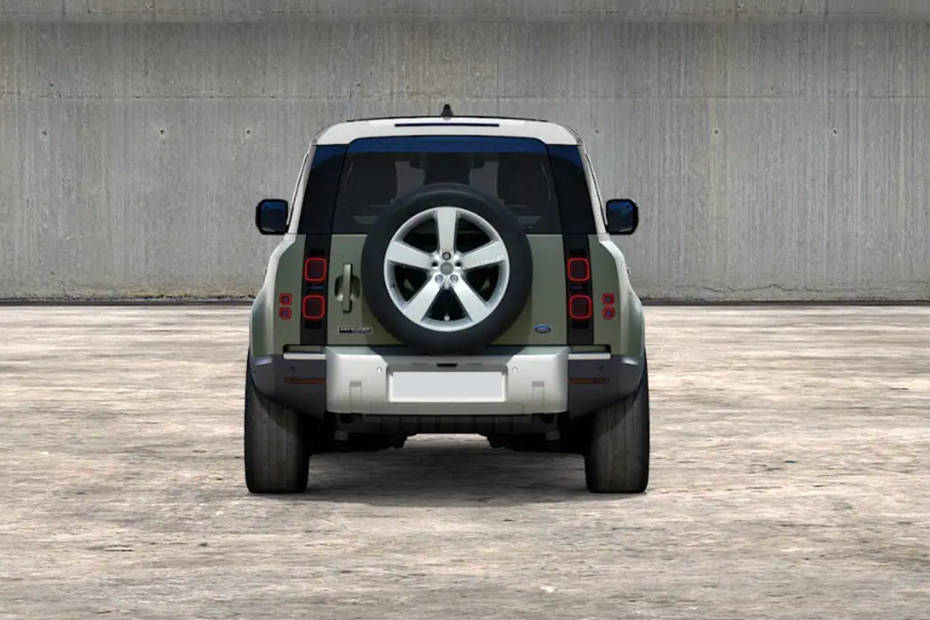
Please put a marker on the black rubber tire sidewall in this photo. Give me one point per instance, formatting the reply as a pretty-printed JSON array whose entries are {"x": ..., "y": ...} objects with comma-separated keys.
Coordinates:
[
  {"x": 276, "y": 444},
  {"x": 616, "y": 457},
  {"x": 421, "y": 338}
]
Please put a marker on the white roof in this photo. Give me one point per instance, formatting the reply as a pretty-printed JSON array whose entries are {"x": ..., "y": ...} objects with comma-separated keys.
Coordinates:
[{"x": 550, "y": 133}]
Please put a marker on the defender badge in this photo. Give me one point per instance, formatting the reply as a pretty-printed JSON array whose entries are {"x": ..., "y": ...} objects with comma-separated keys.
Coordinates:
[{"x": 354, "y": 329}]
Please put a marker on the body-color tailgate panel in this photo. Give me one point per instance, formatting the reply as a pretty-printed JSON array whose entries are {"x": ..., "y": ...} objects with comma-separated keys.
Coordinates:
[{"x": 544, "y": 308}]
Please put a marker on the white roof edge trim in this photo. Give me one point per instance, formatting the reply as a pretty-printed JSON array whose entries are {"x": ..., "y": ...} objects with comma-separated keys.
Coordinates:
[{"x": 545, "y": 131}]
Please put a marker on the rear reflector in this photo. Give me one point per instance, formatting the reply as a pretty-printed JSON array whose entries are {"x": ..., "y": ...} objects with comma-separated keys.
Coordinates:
[
  {"x": 579, "y": 307},
  {"x": 314, "y": 307},
  {"x": 579, "y": 269},
  {"x": 284, "y": 313},
  {"x": 608, "y": 312},
  {"x": 589, "y": 380},
  {"x": 315, "y": 269},
  {"x": 305, "y": 380},
  {"x": 284, "y": 299}
]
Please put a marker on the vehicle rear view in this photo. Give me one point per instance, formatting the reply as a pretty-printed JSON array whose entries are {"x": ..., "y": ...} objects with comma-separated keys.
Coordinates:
[{"x": 446, "y": 275}]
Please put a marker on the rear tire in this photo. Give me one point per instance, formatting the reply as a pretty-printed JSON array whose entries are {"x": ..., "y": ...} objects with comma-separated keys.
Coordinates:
[
  {"x": 616, "y": 459},
  {"x": 277, "y": 450}
]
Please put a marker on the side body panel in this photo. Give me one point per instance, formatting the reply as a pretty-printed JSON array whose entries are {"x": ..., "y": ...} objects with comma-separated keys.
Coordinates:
[
  {"x": 624, "y": 332},
  {"x": 269, "y": 332}
]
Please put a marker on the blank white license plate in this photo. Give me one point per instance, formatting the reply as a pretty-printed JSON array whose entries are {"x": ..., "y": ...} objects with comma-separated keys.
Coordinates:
[{"x": 447, "y": 386}]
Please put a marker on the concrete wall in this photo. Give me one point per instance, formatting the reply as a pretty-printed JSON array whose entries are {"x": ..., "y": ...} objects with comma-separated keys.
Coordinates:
[{"x": 778, "y": 150}]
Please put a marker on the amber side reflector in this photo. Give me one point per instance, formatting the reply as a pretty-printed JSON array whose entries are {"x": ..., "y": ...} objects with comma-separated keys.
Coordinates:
[
  {"x": 589, "y": 380},
  {"x": 305, "y": 380}
]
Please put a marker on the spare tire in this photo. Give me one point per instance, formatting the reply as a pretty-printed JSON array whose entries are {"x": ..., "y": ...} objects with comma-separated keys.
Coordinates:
[{"x": 446, "y": 269}]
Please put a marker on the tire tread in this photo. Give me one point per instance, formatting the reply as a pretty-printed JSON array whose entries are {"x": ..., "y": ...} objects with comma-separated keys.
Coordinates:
[
  {"x": 276, "y": 445},
  {"x": 617, "y": 453}
]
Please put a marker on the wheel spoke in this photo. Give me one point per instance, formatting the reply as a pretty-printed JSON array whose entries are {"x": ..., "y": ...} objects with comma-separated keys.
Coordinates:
[
  {"x": 445, "y": 228},
  {"x": 489, "y": 254},
  {"x": 474, "y": 306},
  {"x": 404, "y": 254},
  {"x": 420, "y": 303}
]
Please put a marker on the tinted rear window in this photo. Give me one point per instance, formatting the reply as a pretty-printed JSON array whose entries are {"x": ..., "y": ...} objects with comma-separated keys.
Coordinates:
[
  {"x": 572, "y": 186},
  {"x": 316, "y": 215},
  {"x": 515, "y": 171}
]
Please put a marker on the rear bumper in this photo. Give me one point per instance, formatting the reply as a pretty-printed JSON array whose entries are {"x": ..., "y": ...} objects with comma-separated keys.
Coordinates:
[
  {"x": 389, "y": 381},
  {"x": 527, "y": 380}
]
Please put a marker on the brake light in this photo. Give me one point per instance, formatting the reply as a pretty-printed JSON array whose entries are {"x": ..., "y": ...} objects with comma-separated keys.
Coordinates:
[
  {"x": 579, "y": 307},
  {"x": 579, "y": 282},
  {"x": 313, "y": 307},
  {"x": 315, "y": 269},
  {"x": 311, "y": 300},
  {"x": 579, "y": 269}
]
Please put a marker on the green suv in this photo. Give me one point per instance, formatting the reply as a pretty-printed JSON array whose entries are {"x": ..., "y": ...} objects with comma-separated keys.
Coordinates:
[{"x": 446, "y": 275}]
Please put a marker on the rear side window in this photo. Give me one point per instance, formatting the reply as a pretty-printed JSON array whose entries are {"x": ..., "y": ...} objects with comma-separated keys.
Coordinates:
[
  {"x": 572, "y": 187},
  {"x": 316, "y": 214},
  {"x": 516, "y": 171}
]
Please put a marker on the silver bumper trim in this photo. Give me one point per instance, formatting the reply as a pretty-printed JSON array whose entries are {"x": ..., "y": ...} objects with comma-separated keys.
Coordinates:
[
  {"x": 361, "y": 380},
  {"x": 600, "y": 355},
  {"x": 304, "y": 356}
]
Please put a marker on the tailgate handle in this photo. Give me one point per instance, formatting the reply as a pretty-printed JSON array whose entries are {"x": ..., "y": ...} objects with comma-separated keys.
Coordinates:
[{"x": 345, "y": 291}]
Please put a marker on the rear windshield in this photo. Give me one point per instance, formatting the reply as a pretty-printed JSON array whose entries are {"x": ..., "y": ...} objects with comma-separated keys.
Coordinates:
[
  {"x": 379, "y": 170},
  {"x": 544, "y": 186}
]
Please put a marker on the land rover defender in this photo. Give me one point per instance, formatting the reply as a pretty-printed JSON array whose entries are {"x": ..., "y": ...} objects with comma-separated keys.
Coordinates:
[{"x": 446, "y": 275}]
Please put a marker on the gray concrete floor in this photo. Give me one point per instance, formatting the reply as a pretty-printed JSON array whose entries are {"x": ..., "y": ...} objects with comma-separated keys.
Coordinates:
[{"x": 790, "y": 478}]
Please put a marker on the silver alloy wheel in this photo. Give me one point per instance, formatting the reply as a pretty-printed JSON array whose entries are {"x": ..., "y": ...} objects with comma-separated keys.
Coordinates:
[{"x": 447, "y": 269}]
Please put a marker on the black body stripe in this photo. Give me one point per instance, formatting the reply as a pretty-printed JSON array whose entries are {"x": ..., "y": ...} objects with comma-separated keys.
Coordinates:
[{"x": 579, "y": 332}]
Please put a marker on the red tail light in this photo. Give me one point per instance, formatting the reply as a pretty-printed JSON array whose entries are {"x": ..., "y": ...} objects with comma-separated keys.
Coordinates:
[
  {"x": 313, "y": 307},
  {"x": 315, "y": 269},
  {"x": 579, "y": 307},
  {"x": 310, "y": 301},
  {"x": 579, "y": 269}
]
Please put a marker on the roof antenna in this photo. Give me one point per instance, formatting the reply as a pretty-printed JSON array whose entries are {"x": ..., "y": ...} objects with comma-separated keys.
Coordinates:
[{"x": 446, "y": 111}]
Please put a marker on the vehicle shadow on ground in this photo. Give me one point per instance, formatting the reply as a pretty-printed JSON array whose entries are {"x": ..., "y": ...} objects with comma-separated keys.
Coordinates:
[{"x": 448, "y": 472}]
